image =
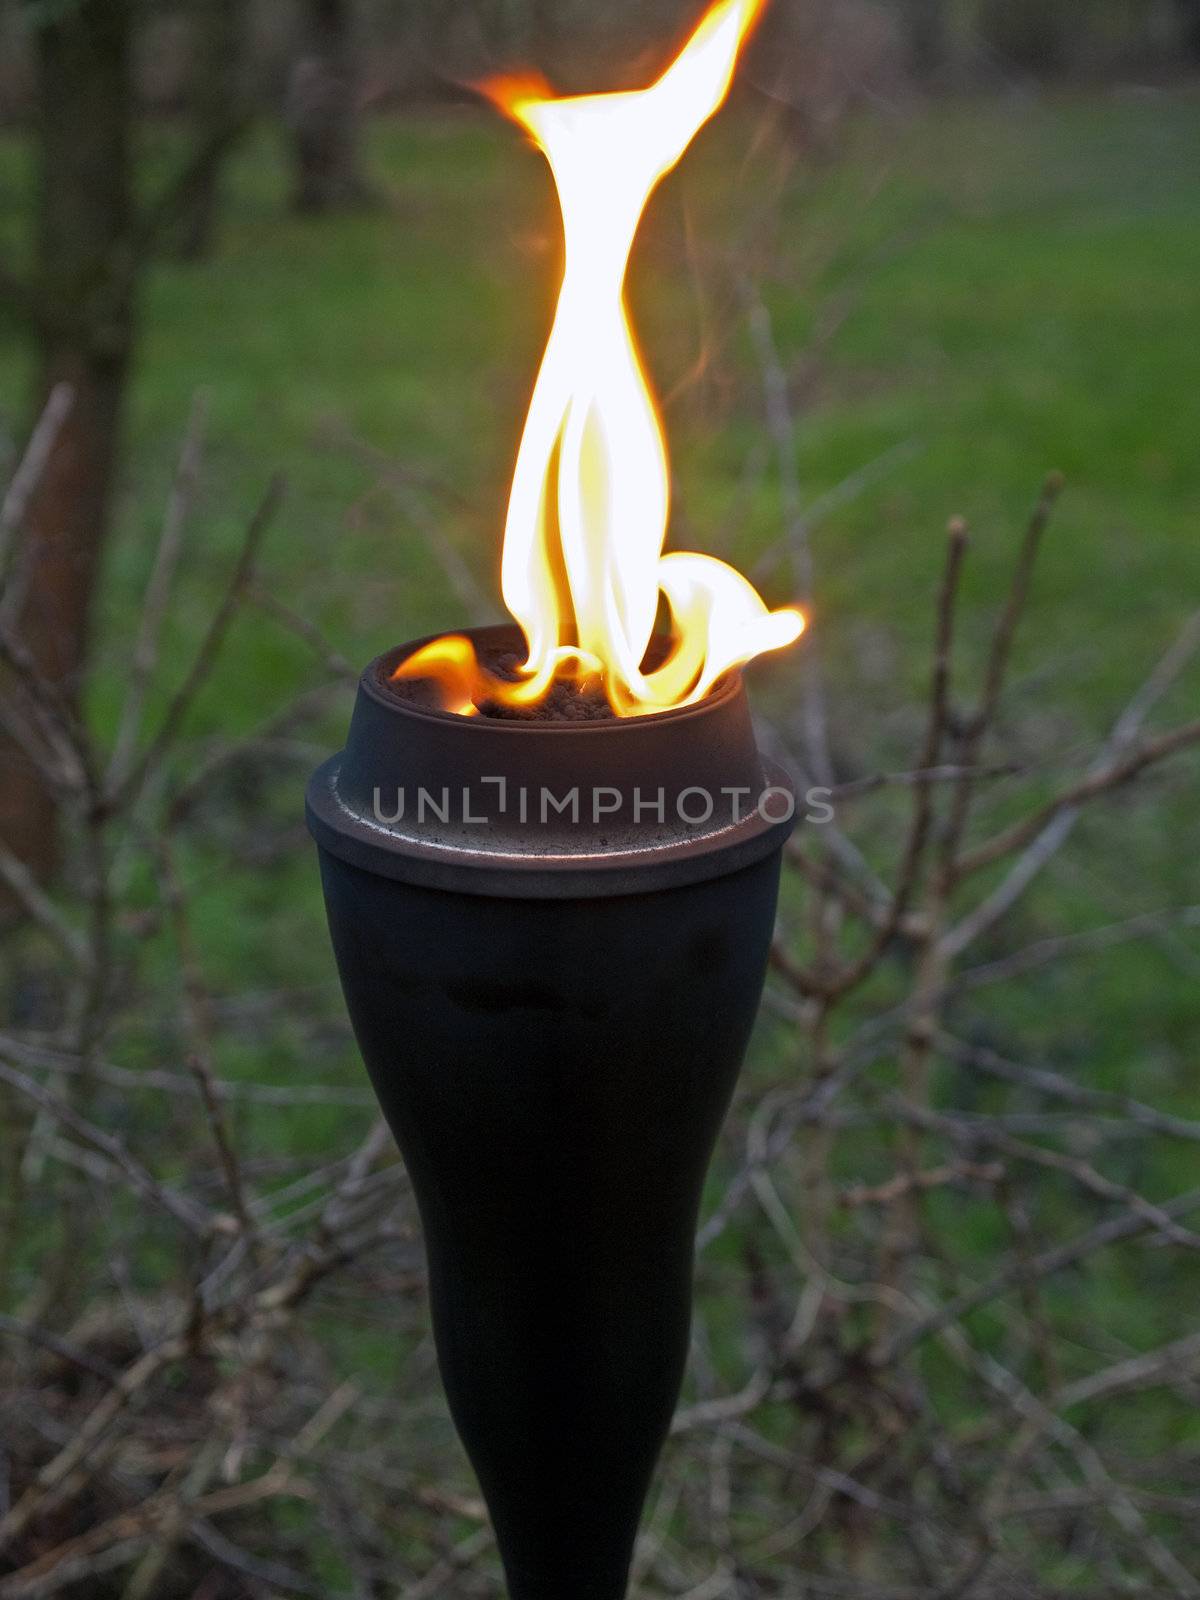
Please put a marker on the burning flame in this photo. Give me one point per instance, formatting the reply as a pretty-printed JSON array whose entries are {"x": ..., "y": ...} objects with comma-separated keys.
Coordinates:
[{"x": 583, "y": 567}]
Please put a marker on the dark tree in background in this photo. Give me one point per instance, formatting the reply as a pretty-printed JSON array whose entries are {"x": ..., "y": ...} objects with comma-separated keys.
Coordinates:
[
  {"x": 81, "y": 306},
  {"x": 218, "y": 101},
  {"x": 79, "y": 299},
  {"x": 1189, "y": 24},
  {"x": 323, "y": 111},
  {"x": 1029, "y": 35},
  {"x": 927, "y": 31}
]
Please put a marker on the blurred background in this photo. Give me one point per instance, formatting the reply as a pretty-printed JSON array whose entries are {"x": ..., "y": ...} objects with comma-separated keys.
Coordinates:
[{"x": 274, "y": 283}]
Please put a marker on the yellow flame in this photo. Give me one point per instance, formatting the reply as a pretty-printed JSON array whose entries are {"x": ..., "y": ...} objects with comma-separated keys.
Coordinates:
[
  {"x": 450, "y": 661},
  {"x": 583, "y": 566}
]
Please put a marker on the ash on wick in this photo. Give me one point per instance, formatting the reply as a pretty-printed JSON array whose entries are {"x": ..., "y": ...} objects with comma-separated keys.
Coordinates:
[{"x": 583, "y": 571}]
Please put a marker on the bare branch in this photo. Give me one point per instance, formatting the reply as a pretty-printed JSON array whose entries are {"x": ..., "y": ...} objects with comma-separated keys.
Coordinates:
[
  {"x": 975, "y": 1131},
  {"x": 331, "y": 659},
  {"x": 158, "y": 594},
  {"x": 1058, "y": 1087},
  {"x": 200, "y": 1029},
  {"x": 24, "y": 481},
  {"x": 1014, "y": 609},
  {"x": 1046, "y": 843},
  {"x": 41, "y": 908},
  {"x": 184, "y": 1211},
  {"x": 921, "y": 826},
  {"x": 1101, "y": 781},
  {"x": 179, "y": 191},
  {"x": 209, "y": 649},
  {"x": 781, "y": 427},
  {"x": 1046, "y": 952},
  {"x": 1125, "y": 1225}
]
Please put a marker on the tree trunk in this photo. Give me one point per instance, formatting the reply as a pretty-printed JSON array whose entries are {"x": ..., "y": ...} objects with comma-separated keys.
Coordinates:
[
  {"x": 323, "y": 112},
  {"x": 1189, "y": 29},
  {"x": 926, "y": 30},
  {"x": 82, "y": 293},
  {"x": 1030, "y": 35},
  {"x": 217, "y": 99}
]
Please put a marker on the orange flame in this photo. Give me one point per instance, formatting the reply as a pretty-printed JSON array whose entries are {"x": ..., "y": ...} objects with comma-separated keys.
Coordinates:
[{"x": 583, "y": 566}]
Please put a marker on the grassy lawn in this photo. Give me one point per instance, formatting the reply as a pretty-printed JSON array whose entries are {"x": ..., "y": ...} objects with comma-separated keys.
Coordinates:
[{"x": 973, "y": 296}]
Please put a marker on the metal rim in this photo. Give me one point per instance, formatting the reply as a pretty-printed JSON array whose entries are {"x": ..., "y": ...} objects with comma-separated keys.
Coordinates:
[
  {"x": 700, "y": 741},
  {"x": 581, "y": 875}
]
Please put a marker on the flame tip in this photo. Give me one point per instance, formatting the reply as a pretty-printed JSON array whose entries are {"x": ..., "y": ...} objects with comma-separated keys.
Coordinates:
[
  {"x": 510, "y": 92},
  {"x": 583, "y": 569}
]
